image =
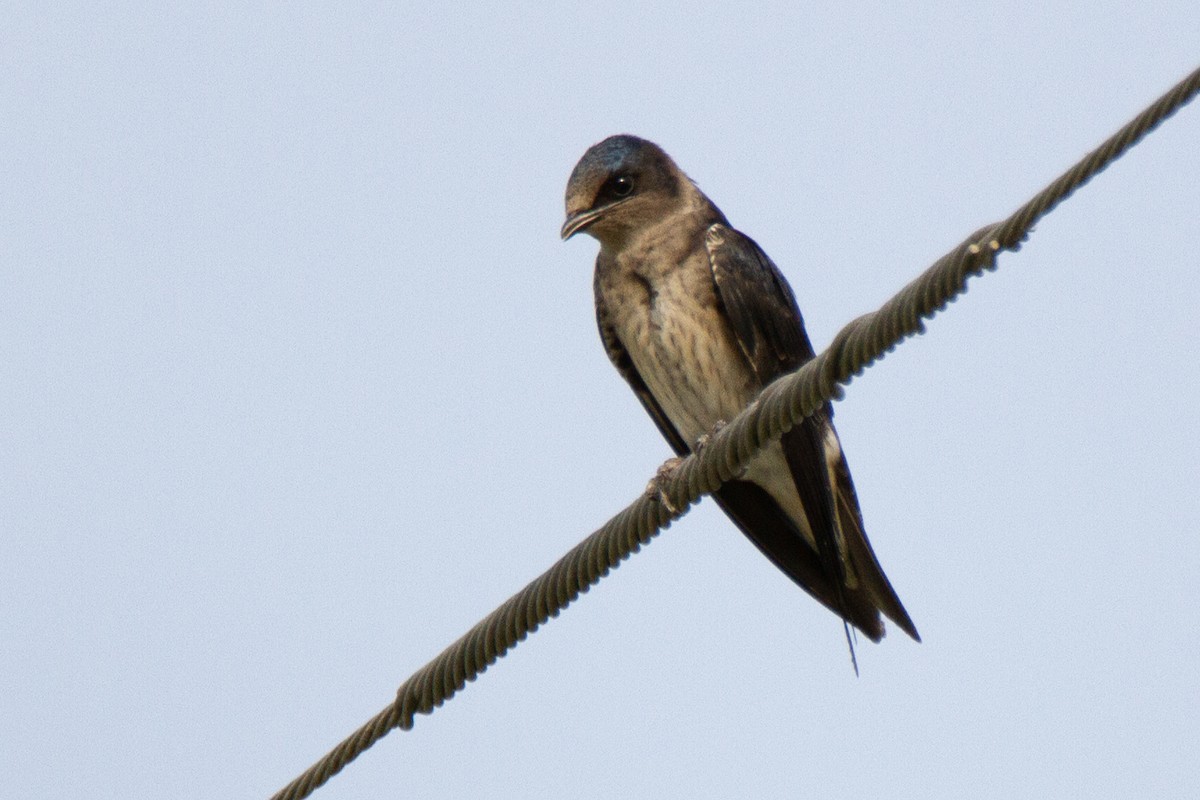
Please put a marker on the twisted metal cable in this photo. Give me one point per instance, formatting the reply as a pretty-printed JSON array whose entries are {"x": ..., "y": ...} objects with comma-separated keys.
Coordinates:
[{"x": 776, "y": 410}]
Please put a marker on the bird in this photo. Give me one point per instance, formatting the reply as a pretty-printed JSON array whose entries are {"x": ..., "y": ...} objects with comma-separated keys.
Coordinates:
[{"x": 698, "y": 320}]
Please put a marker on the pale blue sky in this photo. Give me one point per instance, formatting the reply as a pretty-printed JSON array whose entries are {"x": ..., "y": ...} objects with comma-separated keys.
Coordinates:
[{"x": 297, "y": 383}]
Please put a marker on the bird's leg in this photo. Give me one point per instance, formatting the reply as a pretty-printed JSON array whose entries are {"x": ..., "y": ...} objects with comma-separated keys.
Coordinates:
[{"x": 654, "y": 487}]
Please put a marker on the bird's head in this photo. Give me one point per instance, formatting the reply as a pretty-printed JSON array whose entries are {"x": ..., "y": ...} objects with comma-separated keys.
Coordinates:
[{"x": 619, "y": 184}]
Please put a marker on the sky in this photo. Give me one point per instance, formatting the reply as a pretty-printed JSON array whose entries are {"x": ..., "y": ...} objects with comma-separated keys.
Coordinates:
[{"x": 297, "y": 383}]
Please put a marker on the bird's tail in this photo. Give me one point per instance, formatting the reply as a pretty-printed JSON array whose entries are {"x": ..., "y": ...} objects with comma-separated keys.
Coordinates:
[{"x": 868, "y": 575}]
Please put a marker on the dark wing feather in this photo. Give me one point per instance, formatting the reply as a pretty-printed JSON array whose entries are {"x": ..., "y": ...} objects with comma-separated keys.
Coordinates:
[
  {"x": 872, "y": 579},
  {"x": 758, "y": 303},
  {"x": 765, "y": 524},
  {"x": 766, "y": 321}
]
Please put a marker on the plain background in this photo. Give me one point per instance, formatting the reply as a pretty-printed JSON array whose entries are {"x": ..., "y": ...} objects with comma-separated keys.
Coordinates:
[{"x": 297, "y": 383}]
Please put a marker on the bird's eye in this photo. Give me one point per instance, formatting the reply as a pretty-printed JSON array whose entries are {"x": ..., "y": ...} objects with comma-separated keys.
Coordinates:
[{"x": 622, "y": 186}]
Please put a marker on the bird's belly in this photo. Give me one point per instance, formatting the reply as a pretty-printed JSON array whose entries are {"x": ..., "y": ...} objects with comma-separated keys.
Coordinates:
[
  {"x": 686, "y": 356},
  {"x": 689, "y": 364},
  {"x": 698, "y": 377}
]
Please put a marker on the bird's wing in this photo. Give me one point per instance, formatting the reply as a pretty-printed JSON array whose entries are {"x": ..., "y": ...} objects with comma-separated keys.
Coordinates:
[
  {"x": 758, "y": 303},
  {"x": 766, "y": 322}
]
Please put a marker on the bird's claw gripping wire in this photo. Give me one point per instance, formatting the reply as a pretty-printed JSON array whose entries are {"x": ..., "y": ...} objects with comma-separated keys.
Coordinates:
[
  {"x": 704, "y": 438},
  {"x": 654, "y": 487}
]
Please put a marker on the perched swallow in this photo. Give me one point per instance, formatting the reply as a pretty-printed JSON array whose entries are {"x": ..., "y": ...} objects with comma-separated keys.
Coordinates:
[{"x": 698, "y": 320}]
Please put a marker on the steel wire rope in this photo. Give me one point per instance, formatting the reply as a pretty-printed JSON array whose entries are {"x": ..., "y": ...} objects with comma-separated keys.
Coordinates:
[{"x": 777, "y": 409}]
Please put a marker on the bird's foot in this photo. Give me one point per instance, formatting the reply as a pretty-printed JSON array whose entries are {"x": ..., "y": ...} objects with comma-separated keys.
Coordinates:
[
  {"x": 654, "y": 487},
  {"x": 705, "y": 438}
]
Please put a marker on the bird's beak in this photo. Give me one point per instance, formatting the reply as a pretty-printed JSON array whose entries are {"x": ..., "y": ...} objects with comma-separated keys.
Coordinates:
[{"x": 580, "y": 220}]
